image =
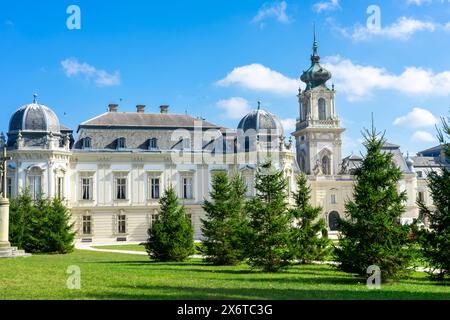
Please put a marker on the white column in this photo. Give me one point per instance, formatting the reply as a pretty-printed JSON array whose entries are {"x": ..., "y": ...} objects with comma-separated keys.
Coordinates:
[{"x": 4, "y": 223}]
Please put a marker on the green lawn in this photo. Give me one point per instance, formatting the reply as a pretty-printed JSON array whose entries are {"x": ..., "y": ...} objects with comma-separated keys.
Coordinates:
[
  {"x": 126, "y": 247},
  {"x": 139, "y": 248},
  {"x": 119, "y": 276}
]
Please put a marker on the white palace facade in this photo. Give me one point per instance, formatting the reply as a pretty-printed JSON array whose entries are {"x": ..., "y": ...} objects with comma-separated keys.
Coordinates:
[{"x": 113, "y": 173}]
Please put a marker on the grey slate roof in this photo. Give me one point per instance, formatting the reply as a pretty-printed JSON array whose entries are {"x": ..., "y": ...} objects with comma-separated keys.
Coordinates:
[
  {"x": 428, "y": 162},
  {"x": 261, "y": 120},
  {"x": 34, "y": 117},
  {"x": 153, "y": 120},
  {"x": 431, "y": 152},
  {"x": 398, "y": 157}
]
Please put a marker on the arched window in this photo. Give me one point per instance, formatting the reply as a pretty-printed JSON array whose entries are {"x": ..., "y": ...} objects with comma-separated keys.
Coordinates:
[
  {"x": 87, "y": 143},
  {"x": 326, "y": 165},
  {"x": 333, "y": 221},
  {"x": 322, "y": 109},
  {"x": 34, "y": 182}
]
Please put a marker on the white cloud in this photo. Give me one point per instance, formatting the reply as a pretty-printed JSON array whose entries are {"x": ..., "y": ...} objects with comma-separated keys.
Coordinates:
[
  {"x": 289, "y": 125},
  {"x": 326, "y": 6},
  {"x": 403, "y": 29},
  {"x": 418, "y": 2},
  {"x": 260, "y": 78},
  {"x": 423, "y": 136},
  {"x": 358, "y": 82},
  {"x": 235, "y": 108},
  {"x": 101, "y": 78},
  {"x": 447, "y": 26},
  {"x": 275, "y": 10},
  {"x": 417, "y": 118}
]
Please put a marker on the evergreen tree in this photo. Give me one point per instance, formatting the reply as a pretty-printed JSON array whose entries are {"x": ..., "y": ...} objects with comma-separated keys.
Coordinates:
[
  {"x": 171, "y": 237},
  {"x": 373, "y": 234},
  {"x": 307, "y": 244},
  {"x": 41, "y": 226},
  {"x": 436, "y": 241},
  {"x": 224, "y": 222},
  {"x": 270, "y": 221}
]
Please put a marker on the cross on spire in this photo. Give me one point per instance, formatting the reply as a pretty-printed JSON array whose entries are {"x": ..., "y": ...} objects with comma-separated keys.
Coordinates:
[{"x": 35, "y": 95}]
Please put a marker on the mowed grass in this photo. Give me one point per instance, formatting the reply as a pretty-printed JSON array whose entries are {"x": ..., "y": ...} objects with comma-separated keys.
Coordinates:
[
  {"x": 140, "y": 248},
  {"x": 120, "y": 276},
  {"x": 126, "y": 247}
]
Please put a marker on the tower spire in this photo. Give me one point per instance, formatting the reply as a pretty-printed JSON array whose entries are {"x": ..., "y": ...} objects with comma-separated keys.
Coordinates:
[{"x": 315, "y": 45}]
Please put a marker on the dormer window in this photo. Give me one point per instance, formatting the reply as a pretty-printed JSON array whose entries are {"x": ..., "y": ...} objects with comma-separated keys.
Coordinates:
[
  {"x": 153, "y": 144},
  {"x": 87, "y": 143},
  {"x": 185, "y": 143},
  {"x": 121, "y": 143}
]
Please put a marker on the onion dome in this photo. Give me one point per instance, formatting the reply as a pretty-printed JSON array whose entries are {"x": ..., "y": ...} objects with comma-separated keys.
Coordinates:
[{"x": 316, "y": 75}]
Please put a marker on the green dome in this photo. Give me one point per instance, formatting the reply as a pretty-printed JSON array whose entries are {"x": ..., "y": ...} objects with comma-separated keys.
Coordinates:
[{"x": 316, "y": 75}]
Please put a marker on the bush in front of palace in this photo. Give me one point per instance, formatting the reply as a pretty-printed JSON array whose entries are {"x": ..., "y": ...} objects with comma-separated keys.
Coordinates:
[{"x": 40, "y": 226}]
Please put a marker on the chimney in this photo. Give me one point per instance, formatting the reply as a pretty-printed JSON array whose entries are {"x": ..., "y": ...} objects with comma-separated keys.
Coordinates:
[
  {"x": 113, "y": 107},
  {"x": 164, "y": 109},
  {"x": 140, "y": 108}
]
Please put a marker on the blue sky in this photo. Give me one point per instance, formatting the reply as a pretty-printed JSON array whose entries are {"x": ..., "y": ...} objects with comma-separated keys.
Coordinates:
[{"x": 216, "y": 59}]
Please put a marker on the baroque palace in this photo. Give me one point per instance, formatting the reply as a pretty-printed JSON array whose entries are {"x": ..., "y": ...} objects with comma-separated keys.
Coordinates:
[{"x": 114, "y": 172}]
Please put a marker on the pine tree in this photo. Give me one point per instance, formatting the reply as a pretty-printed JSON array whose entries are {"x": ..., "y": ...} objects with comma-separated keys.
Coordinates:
[
  {"x": 373, "y": 233},
  {"x": 223, "y": 224},
  {"x": 307, "y": 244},
  {"x": 270, "y": 221},
  {"x": 436, "y": 241},
  {"x": 41, "y": 226},
  {"x": 171, "y": 236}
]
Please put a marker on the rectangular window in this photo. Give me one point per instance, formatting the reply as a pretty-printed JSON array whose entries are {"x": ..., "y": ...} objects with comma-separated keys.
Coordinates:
[
  {"x": 187, "y": 188},
  {"x": 87, "y": 225},
  {"x": 333, "y": 199},
  {"x": 86, "y": 188},
  {"x": 60, "y": 187},
  {"x": 9, "y": 187},
  {"x": 121, "y": 143},
  {"x": 122, "y": 224},
  {"x": 154, "y": 188},
  {"x": 421, "y": 196},
  {"x": 34, "y": 185},
  {"x": 153, "y": 144},
  {"x": 121, "y": 189}
]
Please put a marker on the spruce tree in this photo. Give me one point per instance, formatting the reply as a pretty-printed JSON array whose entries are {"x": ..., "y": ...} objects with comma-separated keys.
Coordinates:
[
  {"x": 309, "y": 241},
  {"x": 436, "y": 240},
  {"x": 373, "y": 233},
  {"x": 224, "y": 222},
  {"x": 41, "y": 226},
  {"x": 270, "y": 221},
  {"x": 171, "y": 236}
]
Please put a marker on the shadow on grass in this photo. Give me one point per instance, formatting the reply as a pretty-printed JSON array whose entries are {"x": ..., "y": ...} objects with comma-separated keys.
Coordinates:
[{"x": 195, "y": 293}]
